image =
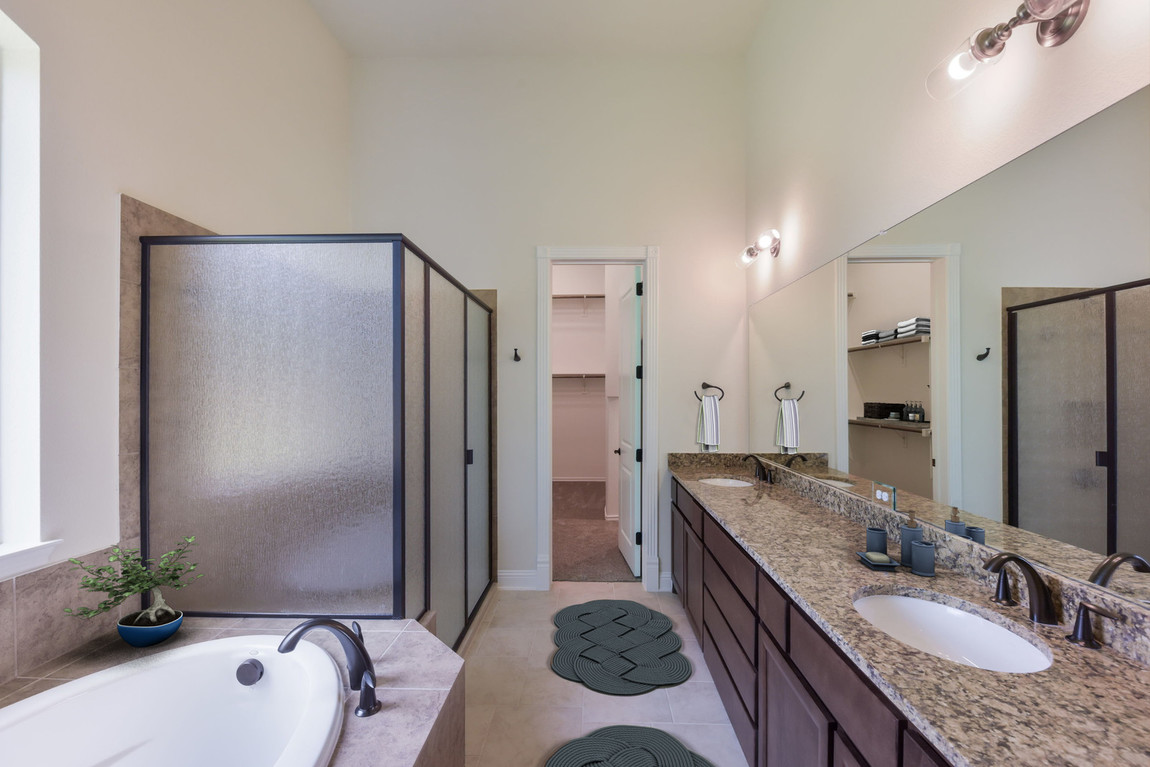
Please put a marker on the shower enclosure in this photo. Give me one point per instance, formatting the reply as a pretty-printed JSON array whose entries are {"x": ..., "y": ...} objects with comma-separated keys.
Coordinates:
[
  {"x": 1079, "y": 417},
  {"x": 316, "y": 412}
]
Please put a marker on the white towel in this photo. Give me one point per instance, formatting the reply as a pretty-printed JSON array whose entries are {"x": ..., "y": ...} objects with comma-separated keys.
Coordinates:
[
  {"x": 787, "y": 428},
  {"x": 707, "y": 430},
  {"x": 914, "y": 321}
]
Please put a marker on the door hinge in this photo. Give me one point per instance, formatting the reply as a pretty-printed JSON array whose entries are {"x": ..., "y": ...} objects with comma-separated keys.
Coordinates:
[
  {"x": 469, "y": 457},
  {"x": 932, "y": 463},
  {"x": 638, "y": 288},
  {"x": 639, "y": 372},
  {"x": 1101, "y": 458},
  {"x": 638, "y": 538},
  {"x": 639, "y": 455}
]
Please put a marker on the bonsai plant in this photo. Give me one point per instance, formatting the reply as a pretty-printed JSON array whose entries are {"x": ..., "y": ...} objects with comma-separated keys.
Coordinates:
[{"x": 130, "y": 574}]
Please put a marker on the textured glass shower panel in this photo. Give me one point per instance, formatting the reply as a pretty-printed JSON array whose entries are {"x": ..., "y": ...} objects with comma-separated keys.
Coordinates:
[
  {"x": 448, "y": 594},
  {"x": 269, "y": 423},
  {"x": 415, "y": 468},
  {"x": 478, "y": 442},
  {"x": 1061, "y": 357},
  {"x": 1132, "y": 340}
]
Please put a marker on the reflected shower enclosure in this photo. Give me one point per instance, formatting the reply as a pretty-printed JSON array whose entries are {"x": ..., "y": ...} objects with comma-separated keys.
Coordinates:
[{"x": 316, "y": 412}]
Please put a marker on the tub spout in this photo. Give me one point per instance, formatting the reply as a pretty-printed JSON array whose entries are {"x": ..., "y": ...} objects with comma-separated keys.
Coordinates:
[{"x": 360, "y": 670}]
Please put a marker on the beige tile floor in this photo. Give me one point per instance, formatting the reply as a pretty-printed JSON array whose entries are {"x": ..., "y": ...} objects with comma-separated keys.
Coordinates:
[{"x": 519, "y": 711}]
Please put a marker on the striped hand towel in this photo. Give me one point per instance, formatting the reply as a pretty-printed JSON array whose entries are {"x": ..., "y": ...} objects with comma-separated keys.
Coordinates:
[
  {"x": 787, "y": 428},
  {"x": 707, "y": 430}
]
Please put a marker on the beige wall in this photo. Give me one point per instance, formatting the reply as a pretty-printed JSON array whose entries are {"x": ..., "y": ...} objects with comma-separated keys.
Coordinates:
[
  {"x": 231, "y": 114},
  {"x": 844, "y": 141},
  {"x": 480, "y": 160},
  {"x": 1073, "y": 213}
]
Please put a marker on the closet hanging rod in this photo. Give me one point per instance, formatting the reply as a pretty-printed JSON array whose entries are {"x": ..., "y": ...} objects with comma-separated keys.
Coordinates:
[
  {"x": 711, "y": 386},
  {"x": 578, "y": 295},
  {"x": 787, "y": 386},
  {"x": 578, "y": 375}
]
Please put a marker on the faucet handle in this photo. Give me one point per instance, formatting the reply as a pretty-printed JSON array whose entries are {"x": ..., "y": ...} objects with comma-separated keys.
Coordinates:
[
  {"x": 368, "y": 704},
  {"x": 358, "y": 631},
  {"x": 1083, "y": 633}
]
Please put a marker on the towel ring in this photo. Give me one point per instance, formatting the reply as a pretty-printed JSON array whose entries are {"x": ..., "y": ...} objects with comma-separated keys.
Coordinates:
[
  {"x": 711, "y": 386},
  {"x": 787, "y": 386}
]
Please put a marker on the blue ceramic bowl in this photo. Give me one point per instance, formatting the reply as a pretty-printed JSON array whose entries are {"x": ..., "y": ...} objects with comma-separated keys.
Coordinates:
[{"x": 146, "y": 636}]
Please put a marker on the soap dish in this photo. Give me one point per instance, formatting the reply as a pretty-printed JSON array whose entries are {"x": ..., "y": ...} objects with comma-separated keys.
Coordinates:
[{"x": 874, "y": 566}]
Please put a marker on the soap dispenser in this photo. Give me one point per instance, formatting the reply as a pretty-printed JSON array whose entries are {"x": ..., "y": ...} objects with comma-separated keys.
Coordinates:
[{"x": 911, "y": 531}]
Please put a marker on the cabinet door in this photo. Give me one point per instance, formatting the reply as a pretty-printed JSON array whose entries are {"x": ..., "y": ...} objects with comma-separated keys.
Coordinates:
[
  {"x": 795, "y": 730},
  {"x": 693, "y": 581},
  {"x": 678, "y": 554},
  {"x": 844, "y": 754},
  {"x": 916, "y": 752}
]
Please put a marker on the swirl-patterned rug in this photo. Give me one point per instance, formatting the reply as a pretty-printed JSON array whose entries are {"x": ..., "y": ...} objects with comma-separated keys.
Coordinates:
[
  {"x": 626, "y": 746},
  {"x": 618, "y": 647}
]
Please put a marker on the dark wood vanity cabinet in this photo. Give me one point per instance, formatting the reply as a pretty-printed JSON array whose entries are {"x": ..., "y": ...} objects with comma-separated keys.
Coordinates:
[
  {"x": 687, "y": 556},
  {"x": 792, "y": 697}
]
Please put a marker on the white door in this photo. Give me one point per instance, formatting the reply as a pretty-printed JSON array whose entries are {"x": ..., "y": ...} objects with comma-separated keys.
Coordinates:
[{"x": 630, "y": 422}]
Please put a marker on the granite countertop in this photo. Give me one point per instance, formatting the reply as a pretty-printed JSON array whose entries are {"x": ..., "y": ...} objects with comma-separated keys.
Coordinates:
[
  {"x": 420, "y": 684},
  {"x": 1089, "y": 707},
  {"x": 1066, "y": 558}
]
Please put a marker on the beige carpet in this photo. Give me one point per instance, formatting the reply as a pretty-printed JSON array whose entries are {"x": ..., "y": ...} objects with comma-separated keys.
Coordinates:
[{"x": 584, "y": 546}]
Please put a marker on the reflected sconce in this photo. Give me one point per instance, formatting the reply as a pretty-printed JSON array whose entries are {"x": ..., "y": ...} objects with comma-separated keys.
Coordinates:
[
  {"x": 1057, "y": 22},
  {"x": 767, "y": 242}
]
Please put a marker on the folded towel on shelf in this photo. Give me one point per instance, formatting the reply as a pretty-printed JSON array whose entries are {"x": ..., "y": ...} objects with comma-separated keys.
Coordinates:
[
  {"x": 707, "y": 428},
  {"x": 915, "y": 321},
  {"x": 886, "y": 335},
  {"x": 787, "y": 427},
  {"x": 869, "y": 342},
  {"x": 913, "y": 332}
]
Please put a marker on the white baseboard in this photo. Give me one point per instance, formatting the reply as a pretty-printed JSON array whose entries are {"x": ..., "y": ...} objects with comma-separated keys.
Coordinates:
[
  {"x": 611, "y": 519},
  {"x": 578, "y": 479},
  {"x": 665, "y": 583},
  {"x": 517, "y": 580}
]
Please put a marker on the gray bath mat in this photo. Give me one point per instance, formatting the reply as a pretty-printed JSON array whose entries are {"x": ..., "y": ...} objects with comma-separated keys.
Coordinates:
[
  {"x": 618, "y": 647},
  {"x": 626, "y": 745}
]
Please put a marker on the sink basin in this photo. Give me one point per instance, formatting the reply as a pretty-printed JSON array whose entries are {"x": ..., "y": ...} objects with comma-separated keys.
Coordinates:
[
  {"x": 725, "y": 482},
  {"x": 839, "y": 483},
  {"x": 951, "y": 633}
]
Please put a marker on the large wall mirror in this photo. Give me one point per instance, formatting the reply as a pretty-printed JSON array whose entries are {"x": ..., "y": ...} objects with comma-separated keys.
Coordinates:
[{"x": 1073, "y": 213}]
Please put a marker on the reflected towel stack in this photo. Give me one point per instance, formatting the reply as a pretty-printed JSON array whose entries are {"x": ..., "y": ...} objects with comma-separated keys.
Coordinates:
[{"x": 915, "y": 326}]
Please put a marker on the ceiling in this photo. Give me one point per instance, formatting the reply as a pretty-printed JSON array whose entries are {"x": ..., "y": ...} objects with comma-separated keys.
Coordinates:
[{"x": 381, "y": 28}]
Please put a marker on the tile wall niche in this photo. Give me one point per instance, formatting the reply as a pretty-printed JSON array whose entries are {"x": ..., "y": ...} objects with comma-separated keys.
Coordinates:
[{"x": 34, "y": 628}]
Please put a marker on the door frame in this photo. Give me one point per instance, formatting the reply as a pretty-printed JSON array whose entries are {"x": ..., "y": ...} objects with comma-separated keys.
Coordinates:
[
  {"x": 946, "y": 365},
  {"x": 647, "y": 257}
]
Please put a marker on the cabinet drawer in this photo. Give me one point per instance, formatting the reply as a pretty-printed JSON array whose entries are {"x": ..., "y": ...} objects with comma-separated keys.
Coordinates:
[
  {"x": 738, "y": 615},
  {"x": 739, "y": 567},
  {"x": 740, "y": 720},
  {"x": 741, "y": 669},
  {"x": 773, "y": 609},
  {"x": 691, "y": 510},
  {"x": 863, "y": 713}
]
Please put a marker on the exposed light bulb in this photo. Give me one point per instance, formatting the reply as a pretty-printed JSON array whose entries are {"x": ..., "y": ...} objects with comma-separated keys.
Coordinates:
[
  {"x": 748, "y": 256},
  {"x": 958, "y": 69},
  {"x": 768, "y": 240}
]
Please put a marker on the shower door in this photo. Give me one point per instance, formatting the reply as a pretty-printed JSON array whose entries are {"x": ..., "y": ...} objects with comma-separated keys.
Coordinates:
[
  {"x": 269, "y": 422},
  {"x": 1079, "y": 425}
]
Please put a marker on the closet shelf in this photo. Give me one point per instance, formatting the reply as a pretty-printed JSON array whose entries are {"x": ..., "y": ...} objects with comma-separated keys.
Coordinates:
[
  {"x": 924, "y": 339},
  {"x": 578, "y": 375},
  {"x": 886, "y": 423}
]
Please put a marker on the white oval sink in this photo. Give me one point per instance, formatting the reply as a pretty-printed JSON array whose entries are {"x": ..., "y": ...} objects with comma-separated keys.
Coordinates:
[
  {"x": 725, "y": 482},
  {"x": 839, "y": 483},
  {"x": 953, "y": 634}
]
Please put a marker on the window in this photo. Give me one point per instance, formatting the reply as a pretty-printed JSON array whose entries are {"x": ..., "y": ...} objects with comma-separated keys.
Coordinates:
[{"x": 21, "y": 548}]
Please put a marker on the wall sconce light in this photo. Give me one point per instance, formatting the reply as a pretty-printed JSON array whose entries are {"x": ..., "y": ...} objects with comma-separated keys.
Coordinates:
[
  {"x": 1057, "y": 22},
  {"x": 767, "y": 242}
]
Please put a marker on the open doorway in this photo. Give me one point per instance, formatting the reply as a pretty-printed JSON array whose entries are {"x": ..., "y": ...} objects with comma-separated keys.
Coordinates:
[{"x": 596, "y": 416}]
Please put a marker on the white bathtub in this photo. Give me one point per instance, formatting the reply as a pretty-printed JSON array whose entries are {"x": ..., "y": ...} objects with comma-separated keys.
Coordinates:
[{"x": 184, "y": 708}]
